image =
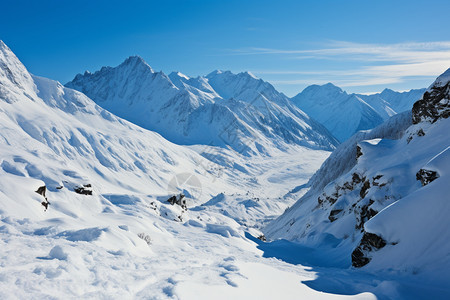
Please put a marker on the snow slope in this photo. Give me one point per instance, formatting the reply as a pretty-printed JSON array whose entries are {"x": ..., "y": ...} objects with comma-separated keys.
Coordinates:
[
  {"x": 380, "y": 201},
  {"x": 233, "y": 111},
  {"x": 344, "y": 114},
  {"x": 121, "y": 239}
]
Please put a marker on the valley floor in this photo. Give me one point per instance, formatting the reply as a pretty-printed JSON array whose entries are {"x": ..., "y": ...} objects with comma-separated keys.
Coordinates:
[{"x": 129, "y": 247}]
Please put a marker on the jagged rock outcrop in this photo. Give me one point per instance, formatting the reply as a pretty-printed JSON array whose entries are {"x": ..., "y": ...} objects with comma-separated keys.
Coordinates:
[
  {"x": 178, "y": 199},
  {"x": 41, "y": 191},
  {"x": 375, "y": 200},
  {"x": 370, "y": 242},
  {"x": 426, "y": 176},
  {"x": 435, "y": 103},
  {"x": 85, "y": 189}
]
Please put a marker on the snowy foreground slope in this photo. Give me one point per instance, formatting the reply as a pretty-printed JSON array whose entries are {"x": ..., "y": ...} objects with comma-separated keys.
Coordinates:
[
  {"x": 345, "y": 114},
  {"x": 232, "y": 111},
  {"x": 108, "y": 231},
  {"x": 381, "y": 201}
]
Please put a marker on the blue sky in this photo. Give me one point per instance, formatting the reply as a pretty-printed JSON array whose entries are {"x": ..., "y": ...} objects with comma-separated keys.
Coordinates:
[{"x": 361, "y": 46}]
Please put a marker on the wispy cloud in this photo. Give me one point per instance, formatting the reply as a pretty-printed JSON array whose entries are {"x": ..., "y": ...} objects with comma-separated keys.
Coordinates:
[{"x": 371, "y": 64}]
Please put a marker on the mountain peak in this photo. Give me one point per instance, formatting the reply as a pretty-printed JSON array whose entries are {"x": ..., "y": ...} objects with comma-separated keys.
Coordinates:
[
  {"x": 135, "y": 61},
  {"x": 442, "y": 80},
  {"x": 3, "y": 45},
  {"x": 327, "y": 89},
  {"x": 250, "y": 74},
  {"x": 178, "y": 74},
  {"x": 13, "y": 76}
]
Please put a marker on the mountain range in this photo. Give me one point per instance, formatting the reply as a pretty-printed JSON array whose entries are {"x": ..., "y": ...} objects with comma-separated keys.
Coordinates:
[
  {"x": 235, "y": 111},
  {"x": 193, "y": 201},
  {"x": 345, "y": 114}
]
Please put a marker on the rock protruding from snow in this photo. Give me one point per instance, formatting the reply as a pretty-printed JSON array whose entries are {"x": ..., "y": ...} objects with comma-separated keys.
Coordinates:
[
  {"x": 435, "y": 103},
  {"x": 358, "y": 206},
  {"x": 369, "y": 242}
]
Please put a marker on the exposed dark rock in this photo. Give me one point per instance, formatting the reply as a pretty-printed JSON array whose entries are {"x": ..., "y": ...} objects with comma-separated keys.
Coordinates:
[
  {"x": 358, "y": 152},
  {"x": 364, "y": 189},
  {"x": 86, "y": 189},
  {"x": 369, "y": 242},
  {"x": 262, "y": 237},
  {"x": 420, "y": 132},
  {"x": 334, "y": 214},
  {"x": 426, "y": 176},
  {"x": 45, "y": 204},
  {"x": 375, "y": 180},
  {"x": 178, "y": 199},
  {"x": 364, "y": 213},
  {"x": 356, "y": 178},
  {"x": 433, "y": 106},
  {"x": 41, "y": 190}
]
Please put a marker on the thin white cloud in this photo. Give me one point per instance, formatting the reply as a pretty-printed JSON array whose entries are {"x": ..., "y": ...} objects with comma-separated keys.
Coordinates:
[{"x": 395, "y": 63}]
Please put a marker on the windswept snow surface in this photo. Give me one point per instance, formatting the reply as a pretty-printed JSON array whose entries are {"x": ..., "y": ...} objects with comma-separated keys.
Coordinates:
[
  {"x": 381, "y": 200},
  {"x": 125, "y": 240}
]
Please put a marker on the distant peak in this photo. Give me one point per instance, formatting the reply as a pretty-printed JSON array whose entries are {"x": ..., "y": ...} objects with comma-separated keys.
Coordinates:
[
  {"x": 248, "y": 73},
  {"x": 178, "y": 74},
  {"x": 136, "y": 60},
  {"x": 215, "y": 72},
  {"x": 331, "y": 86},
  {"x": 219, "y": 72}
]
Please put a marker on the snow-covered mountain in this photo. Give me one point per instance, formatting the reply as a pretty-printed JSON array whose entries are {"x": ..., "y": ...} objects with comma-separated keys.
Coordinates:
[
  {"x": 389, "y": 102},
  {"x": 61, "y": 137},
  {"x": 223, "y": 109},
  {"x": 380, "y": 201},
  {"x": 84, "y": 210},
  {"x": 344, "y": 114}
]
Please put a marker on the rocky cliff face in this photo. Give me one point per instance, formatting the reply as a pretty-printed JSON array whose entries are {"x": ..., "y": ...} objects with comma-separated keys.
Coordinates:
[
  {"x": 435, "y": 103},
  {"x": 384, "y": 204}
]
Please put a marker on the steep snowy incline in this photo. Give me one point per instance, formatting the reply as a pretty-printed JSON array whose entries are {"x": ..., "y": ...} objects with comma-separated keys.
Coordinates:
[
  {"x": 385, "y": 206},
  {"x": 87, "y": 143},
  {"x": 342, "y": 114},
  {"x": 223, "y": 109},
  {"x": 85, "y": 214}
]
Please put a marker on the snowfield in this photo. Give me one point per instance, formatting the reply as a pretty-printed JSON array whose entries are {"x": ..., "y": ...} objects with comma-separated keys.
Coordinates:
[
  {"x": 102, "y": 227},
  {"x": 380, "y": 202}
]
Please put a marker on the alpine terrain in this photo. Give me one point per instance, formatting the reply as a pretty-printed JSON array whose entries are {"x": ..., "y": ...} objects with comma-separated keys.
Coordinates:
[
  {"x": 380, "y": 201},
  {"x": 345, "y": 114},
  {"x": 128, "y": 183}
]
